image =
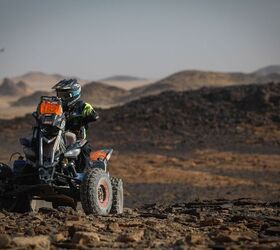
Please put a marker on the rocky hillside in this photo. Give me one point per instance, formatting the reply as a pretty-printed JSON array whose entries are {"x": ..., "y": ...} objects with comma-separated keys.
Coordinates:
[
  {"x": 209, "y": 117},
  {"x": 235, "y": 118},
  {"x": 10, "y": 88}
]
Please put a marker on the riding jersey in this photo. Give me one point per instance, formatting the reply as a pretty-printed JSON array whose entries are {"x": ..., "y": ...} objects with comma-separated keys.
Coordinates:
[{"x": 78, "y": 117}]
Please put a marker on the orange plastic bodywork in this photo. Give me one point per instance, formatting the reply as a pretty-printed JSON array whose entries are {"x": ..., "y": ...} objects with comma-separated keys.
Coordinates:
[
  {"x": 47, "y": 107},
  {"x": 98, "y": 155}
]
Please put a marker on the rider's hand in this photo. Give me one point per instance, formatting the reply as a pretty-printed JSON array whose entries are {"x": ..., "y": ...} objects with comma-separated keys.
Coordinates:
[
  {"x": 88, "y": 109},
  {"x": 89, "y": 114}
]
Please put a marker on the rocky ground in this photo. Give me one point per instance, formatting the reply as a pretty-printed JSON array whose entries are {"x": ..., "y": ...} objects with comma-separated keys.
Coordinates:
[
  {"x": 216, "y": 224},
  {"x": 172, "y": 149}
]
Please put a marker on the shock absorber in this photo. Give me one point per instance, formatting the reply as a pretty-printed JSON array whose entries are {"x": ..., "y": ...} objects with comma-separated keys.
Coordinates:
[{"x": 71, "y": 166}]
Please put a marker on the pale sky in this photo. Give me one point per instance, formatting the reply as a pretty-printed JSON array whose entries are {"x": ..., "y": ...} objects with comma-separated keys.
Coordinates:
[{"x": 147, "y": 38}]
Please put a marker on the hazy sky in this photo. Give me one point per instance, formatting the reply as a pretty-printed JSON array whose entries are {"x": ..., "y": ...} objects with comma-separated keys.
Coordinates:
[{"x": 148, "y": 38}]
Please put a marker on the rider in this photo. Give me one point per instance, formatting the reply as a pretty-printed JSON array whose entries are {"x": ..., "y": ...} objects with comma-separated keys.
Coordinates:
[{"x": 78, "y": 113}]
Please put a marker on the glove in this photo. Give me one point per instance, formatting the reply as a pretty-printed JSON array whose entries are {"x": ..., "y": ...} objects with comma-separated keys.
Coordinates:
[
  {"x": 89, "y": 114},
  {"x": 87, "y": 110}
]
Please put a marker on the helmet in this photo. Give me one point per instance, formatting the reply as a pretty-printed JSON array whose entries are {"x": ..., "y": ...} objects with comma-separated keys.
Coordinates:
[{"x": 69, "y": 90}]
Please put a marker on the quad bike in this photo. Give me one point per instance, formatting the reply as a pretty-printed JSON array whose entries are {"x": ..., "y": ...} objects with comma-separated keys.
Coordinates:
[{"x": 53, "y": 171}]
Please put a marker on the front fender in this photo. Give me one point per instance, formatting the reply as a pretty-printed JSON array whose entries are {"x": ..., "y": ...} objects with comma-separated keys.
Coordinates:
[{"x": 100, "y": 158}]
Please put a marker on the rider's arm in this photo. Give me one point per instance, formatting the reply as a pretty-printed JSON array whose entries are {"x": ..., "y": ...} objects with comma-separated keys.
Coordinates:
[{"x": 89, "y": 114}]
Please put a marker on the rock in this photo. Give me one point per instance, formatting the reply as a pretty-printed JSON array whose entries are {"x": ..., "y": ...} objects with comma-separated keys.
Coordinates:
[
  {"x": 5, "y": 240},
  {"x": 35, "y": 242},
  {"x": 195, "y": 211},
  {"x": 211, "y": 221},
  {"x": 2, "y": 215},
  {"x": 222, "y": 237},
  {"x": 237, "y": 218},
  {"x": 195, "y": 238},
  {"x": 130, "y": 212},
  {"x": 78, "y": 228},
  {"x": 66, "y": 209},
  {"x": 114, "y": 227},
  {"x": 85, "y": 238},
  {"x": 134, "y": 236},
  {"x": 58, "y": 237},
  {"x": 226, "y": 228},
  {"x": 30, "y": 232},
  {"x": 46, "y": 210},
  {"x": 73, "y": 217},
  {"x": 273, "y": 231}
]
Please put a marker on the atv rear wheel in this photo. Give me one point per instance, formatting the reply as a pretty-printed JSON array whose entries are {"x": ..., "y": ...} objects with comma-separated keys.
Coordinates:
[
  {"x": 117, "y": 204},
  {"x": 20, "y": 204},
  {"x": 96, "y": 192}
]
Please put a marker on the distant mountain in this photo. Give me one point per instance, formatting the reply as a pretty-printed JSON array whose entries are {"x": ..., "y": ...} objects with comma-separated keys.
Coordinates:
[
  {"x": 272, "y": 69},
  {"x": 123, "y": 78},
  {"x": 106, "y": 95},
  {"x": 42, "y": 81},
  {"x": 96, "y": 93},
  {"x": 10, "y": 88},
  {"x": 31, "y": 100},
  {"x": 102, "y": 95},
  {"x": 194, "y": 79}
]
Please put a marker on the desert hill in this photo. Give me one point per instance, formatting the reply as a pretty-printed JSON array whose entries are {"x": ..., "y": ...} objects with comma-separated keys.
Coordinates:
[
  {"x": 31, "y": 100},
  {"x": 113, "y": 93},
  {"x": 194, "y": 79},
  {"x": 122, "y": 78},
  {"x": 98, "y": 94},
  {"x": 126, "y": 82},
  {"x": 10, "y": 88},
  {"x": 41, "y": 81},
  {"x": 271, "y": 69},
  {"x": 102, "y": 95}
]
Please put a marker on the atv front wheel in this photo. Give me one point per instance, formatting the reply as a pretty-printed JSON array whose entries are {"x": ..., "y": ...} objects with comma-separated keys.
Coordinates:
[
  {"x": 117, "y": 204},
  {"x": 96, "y": 192}
]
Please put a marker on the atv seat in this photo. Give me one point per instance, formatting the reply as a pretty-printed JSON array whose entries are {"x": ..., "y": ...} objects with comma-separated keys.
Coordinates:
[{"x": 70, "y": 138}]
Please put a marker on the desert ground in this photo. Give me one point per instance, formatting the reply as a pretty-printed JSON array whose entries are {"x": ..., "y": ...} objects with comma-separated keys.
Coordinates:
[
  {"x": 200, "y": 170},
  {"x": 206, "y": 200}
]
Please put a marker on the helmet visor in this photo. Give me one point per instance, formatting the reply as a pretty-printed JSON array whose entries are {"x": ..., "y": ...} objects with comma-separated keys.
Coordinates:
[{"x": 64, "y": 95}]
